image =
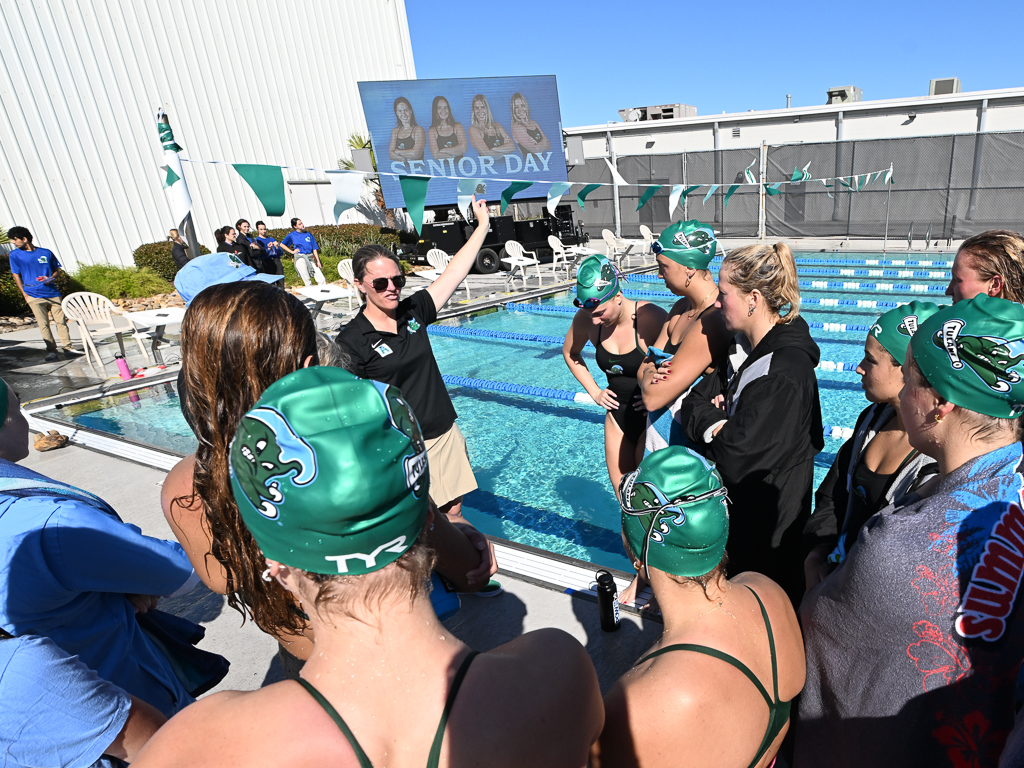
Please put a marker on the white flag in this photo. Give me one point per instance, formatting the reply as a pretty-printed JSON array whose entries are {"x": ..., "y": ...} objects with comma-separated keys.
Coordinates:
[
  {"x": 172, "y": 178},
  {"x": 555, "y": 192},
  {"x": 348, "y": 190}
]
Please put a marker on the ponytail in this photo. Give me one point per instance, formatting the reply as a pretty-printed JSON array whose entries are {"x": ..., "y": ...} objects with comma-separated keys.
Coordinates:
[
  {"x": 221, "y": 234},
  {"x": 772, "y": 271}
]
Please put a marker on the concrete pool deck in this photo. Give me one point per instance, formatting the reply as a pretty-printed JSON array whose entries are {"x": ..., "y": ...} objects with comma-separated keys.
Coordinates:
[{"x": 134, "y": 492}]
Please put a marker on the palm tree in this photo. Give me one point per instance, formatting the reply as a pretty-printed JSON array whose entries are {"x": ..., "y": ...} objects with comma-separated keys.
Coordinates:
[{"x": 358, "y": 141}]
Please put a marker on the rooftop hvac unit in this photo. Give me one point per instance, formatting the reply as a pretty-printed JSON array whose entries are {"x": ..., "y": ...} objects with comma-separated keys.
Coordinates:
[
  {"x": 660, "y": 112},
  {"x": 844, "y": 94},
  {"x": 943, "y": 86}
]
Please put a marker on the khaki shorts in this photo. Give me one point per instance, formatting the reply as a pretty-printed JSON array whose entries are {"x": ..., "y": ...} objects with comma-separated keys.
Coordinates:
[{"x": 451, "y": 476}]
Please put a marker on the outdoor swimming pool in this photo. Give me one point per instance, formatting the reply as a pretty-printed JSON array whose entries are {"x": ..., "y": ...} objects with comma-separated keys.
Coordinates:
[{"x": 540, "y": 461}]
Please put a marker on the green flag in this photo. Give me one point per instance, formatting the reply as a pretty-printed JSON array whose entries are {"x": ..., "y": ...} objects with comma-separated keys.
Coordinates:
[
  {"x": 414, "y": 190},
  {"x": 267, "y": 181},
  {"x": 512, "y": 189},
  {"x": 647, "y": 195},
  {"x": 728, "y": 194},
  {"x": 582, "y": 194},
  {"x": 773, "y": 189},
  {"x": 170, "y": 178}
]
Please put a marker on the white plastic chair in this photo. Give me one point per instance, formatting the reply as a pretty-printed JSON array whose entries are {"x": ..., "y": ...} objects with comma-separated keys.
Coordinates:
[
  {"x": 560, "y": 255},
  {"x": 648, "y": 236},
  {"x": 345, "y": 273},
  {"x": 439, "y": 260},
  {"x": 95, "y": 315},
  {"x": 517, "y": 260},
  {"x": 613, "y": 246}
]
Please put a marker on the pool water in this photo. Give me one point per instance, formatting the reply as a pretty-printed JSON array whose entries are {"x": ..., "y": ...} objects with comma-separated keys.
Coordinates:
[{"x": 540, "y": 462}]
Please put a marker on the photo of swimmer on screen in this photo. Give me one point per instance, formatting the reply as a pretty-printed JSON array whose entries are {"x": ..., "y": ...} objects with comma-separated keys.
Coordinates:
[
  {"x": 525, "y": 130},
  {"x": 408, "y": 140},
  {"x": 488, "y": 137},
  {"x": 446, "y": 138}
]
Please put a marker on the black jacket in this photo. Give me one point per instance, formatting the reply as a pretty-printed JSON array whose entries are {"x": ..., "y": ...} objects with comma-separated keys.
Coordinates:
[{"x": 765, "y": 451}]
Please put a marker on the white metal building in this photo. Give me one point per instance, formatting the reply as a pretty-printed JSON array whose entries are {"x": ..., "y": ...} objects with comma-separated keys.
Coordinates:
[
  {"x": 977, "y": 111},
  {"x": 252, "y": 81}
]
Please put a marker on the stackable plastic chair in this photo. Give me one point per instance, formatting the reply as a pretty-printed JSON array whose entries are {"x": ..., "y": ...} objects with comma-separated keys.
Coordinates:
[
  {"x": 439, "y": 260},
  {"x": 97, "y": 317},
  {"x": 614, "y": 247},
  {"x": 562, "y": 256},
  {"x": 345, "y": 273},
  {"x": 517, "y": 260}
]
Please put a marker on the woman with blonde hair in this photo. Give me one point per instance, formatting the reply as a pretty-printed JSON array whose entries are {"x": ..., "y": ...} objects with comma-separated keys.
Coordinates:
[
  {"x": 488, "y": 137},
  {"x": 991, "y": 263},
  {"x": 759, "y": 420},
  {"x": 525, "y": 130}
]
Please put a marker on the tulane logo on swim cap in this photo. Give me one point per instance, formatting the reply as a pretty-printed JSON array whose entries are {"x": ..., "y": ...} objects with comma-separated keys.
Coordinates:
[
  {"x": 700, "y": 238},
  {"x": 991, "y": 358},
  {"x": 652, "y": 508},
  {"x": 404, "y": 421},
  {"x": 908, "y": 327},
  {"x": 264, "y": 454}
]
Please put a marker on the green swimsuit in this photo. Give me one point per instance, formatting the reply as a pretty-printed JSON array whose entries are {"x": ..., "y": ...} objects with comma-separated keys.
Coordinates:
[
  {"x": 778, "y": 711},
  {"x": 435, "y": 748}
]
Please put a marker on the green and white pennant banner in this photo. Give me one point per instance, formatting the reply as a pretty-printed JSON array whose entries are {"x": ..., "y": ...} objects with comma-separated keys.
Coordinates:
[
  {"x": 172, "y": 177},
  {"x": 749, "y": 174}
]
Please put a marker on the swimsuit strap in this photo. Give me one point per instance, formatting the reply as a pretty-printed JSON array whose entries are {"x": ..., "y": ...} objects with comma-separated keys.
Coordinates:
[
  {"x": 708, "y": 651},
  {"x": 435, "y": 748},
  {"x": 364, "y": 761},
  {"x": 636, "y": 329}
]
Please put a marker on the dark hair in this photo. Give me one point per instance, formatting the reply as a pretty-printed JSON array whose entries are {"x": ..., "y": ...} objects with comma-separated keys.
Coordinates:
[
  {"x": 711, "y": 576},
  {"x": 412, "y": 112},
  {"x": 19, "y": 232},
  {"x": 239, "y": 223},
  {"x": 295, "y": 221},
  {"x": 237, "y": 339},
  {"x": 999, "y": 252},
  {"x": 259, "y": 223},
  {"x": 435, "y": 120},
  {"x": 367, "y": 254},
  {"x": 222, "y": 234}
]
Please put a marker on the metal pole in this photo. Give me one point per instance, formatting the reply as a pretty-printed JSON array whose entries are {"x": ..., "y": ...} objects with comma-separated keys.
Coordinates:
[
  {"x": 978, "y": 152},
  {"x": 888, "y": 192},
  {"x": 762, "y": 159},
  {"x": 615, "y": 186}
]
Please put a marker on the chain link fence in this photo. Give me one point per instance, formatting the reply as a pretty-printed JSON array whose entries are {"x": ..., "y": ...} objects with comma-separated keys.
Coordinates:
[{"x": 945, "y": 188}]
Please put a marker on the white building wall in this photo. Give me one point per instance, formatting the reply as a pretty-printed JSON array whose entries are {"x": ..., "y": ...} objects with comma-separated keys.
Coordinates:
[{"x": 253, "y": 81}]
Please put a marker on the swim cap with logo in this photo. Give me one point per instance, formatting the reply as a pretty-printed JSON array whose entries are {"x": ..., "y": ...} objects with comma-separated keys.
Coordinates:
[
  {"x": 972, "y": 353},
  {"x": 894, "y": 329},
  {"x": 596, "y": 278},
  {"x": 330, "y": 472},
  {"x": 689, "y": 243},
  {"x": 674, "y": 512}
]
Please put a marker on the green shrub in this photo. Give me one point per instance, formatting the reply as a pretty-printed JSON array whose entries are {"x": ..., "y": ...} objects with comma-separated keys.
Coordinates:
[
  {"x": 157, "y": 257},
  {"x": 352, "y": 235},
  {"x": 121, "y": 282},
  {"x": 11, "y": 300}
]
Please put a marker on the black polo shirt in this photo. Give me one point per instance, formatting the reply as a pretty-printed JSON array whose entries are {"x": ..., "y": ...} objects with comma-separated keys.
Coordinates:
[{"x": 405, "y": 360}]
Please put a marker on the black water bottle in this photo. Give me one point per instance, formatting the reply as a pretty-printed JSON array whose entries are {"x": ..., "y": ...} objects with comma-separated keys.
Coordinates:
[{"x": 607, "y": 601}]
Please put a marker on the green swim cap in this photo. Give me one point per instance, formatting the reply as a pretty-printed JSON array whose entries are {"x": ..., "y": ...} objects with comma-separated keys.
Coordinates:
[
  {"x": 596, "y": 278},
  {"x": 674, "y": 512},
  {"x": 330, "y": 472},
  {"x": 972, "y": 353},
  {"x": 689, "y": 243},
  {"x": 894, "y": 329}
]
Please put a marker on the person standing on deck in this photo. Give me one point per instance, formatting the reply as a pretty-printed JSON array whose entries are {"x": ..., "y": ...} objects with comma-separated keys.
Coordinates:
[{"x": 304, "y": 250}]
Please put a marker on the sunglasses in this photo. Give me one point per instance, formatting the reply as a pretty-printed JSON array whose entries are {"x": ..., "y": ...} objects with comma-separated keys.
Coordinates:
[
  {"x": 380, "y": 284},
  {"x": 590, "y": 303}
]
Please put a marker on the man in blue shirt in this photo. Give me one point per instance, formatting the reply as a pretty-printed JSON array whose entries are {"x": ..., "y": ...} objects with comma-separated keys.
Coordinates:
[
  {"x": 305, "y": 251},
  {"x": 34, "y": 270}
]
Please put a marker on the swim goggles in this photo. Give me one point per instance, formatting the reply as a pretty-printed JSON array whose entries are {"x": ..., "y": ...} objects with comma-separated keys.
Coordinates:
[
  {"x": 675, "y": 503},
  {"x": 380, "y": 284},
  {"x": 591, "y": 303},
  {"x": 657, "y": 247}
]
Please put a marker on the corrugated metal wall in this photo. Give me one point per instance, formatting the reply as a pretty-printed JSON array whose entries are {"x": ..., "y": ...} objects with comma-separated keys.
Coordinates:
[{"x": 255, "y": 81}]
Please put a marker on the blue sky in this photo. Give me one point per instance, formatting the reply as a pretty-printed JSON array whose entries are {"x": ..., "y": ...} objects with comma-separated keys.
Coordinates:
[{"x": 726, "y": 56}]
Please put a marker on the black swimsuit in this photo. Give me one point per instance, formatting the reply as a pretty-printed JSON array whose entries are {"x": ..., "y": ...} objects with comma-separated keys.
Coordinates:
[
  {"x": 401, "y": 143},
  {"x": 621, "y": 371},
  {"x": 493, "y": 140},
  {"x": 535, "y": 135},
  {"x": 446, "y": 142}
]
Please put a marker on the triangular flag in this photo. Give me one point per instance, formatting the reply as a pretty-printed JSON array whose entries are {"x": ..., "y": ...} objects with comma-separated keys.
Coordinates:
[
  {"x": 673, "y": 198},
  {"x": 728, "y": 194},
  {"x": 582, "y": 194},
  {"x": 616, "y": 176},
  {"x": 414, "y": 190},
  {"x": 555, "y": 192},
  {"x": 647, "y": 195},
  {"x": 773, "y": 189},
  {"x": 267, "y": 182},
  {"x": 468, "y": 188},
  {"x": 348, "y": 190},
  {"x": 170, "y": 176},
  {"x": 512, "y": 189},
  {"x": 711, "y": 191},
  {"x": 888, "y": 176},
  {"x": 173, "y": 180},
  {"x": 803, "y": 175},
  {"x": 824, "y": 183},
  {"x": 749, "y": 174}
]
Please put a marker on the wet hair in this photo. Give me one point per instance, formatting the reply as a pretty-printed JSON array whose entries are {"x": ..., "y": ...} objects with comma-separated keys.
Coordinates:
[
  {"x": 222, "y": 234},
  {"x": 998, "y": 252},
  {"x": 19, "y": 232},
  {"x": 412, "y": 112},
  {"x": 769, "y": 269},
  {"x": 330, "y": 353},
  {"x": 236, "y": 340},
  {"x": 435, "y": 120},
  {"x": 480, "y": 98},
  {"x": 512, "y": 106},
  {"x": 409, "y": 574},
  {"x": 708, "y": 578},
  {"x": 239, "y": 223},
  {"x": 367, "y": 255},
  {"x": 982, "y": 426}
]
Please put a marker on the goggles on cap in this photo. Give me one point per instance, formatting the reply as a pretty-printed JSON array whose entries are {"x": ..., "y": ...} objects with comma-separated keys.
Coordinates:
[{"x": 592, "y": 303}]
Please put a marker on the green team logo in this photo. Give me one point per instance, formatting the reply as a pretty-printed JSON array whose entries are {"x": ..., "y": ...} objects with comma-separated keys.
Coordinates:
[
  {"x": 908, "y": 327},
  {"x": 702, "y": 239},
  {"x": 655, "y": 511},
  {"x": 404, "y": 421},
  {"x": 414, "y": 325},
  {"x": 615, "y": 370},
  {"x": 989, "y": 357},
  {"x": 265, "y": 454}
]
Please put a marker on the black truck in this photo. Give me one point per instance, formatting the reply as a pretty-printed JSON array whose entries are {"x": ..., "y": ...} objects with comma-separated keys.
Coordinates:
[{"x": 450, "y": 236}]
